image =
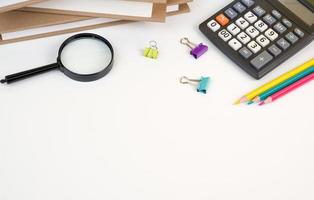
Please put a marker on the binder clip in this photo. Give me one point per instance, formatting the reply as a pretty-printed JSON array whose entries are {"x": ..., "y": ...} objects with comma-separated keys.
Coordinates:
[
  {"x": 202, "y": 83},
  {"x": 152, "y": 51},
  {"x": 196, "y": 50}
]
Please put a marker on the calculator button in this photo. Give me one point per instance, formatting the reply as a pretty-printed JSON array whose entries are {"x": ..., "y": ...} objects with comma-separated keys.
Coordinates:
[
  {"x": 261, "y": 26},
  {"x": 280, "y": 28},
  {"x": 271, "y": 34},
  {"x": 225, "y": 35},
  {"x": 245, "y": 53},
  {"x": 276, "y": 14},
  {"x": 261, "y": 60},
  {"x": 259, "y": 11},
  {"x": 254, "y": 47},
  {"x": 242, "y": 23},
  {"x": 249, "y": 16},
  {"x": 274, "y": 50},
  {"x": 231, "y": 13},
  {"x": 287, "y": 23},
  {"x": 213, "y": 25},
  {"x": 239, "y": 7},
  {"x": 235, "y": 44},
  {"x": 283, "y": 44},
  {"x": 270, "y": 20},
  {"x": 262, "y": 40},
  {"x": 244, "y": 38},
  {"x": 299, "y": 32},
  {"x": 292, "y": 38},
  {"x": 248, "y": 3},
  {"x": 222, "y": 19},
  {"x": 233, "y": 29},
  {"x": 252, "y": 31}
]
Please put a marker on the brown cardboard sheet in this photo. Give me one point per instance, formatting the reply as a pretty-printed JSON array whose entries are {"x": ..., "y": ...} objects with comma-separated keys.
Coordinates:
[
  {"x": 158, "y": 12},
  {"x": 16, "y": 4},
  {"x": 32, "y": 20}
]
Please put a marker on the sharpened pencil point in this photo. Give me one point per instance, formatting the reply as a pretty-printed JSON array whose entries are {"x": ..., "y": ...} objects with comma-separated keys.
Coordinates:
[
  {"x": 250, "y": 102},
  {"x": 237, "y": 102},
  {"x": 241, "y": 100},
  {"x": 3, "y": 81},
  {"x": 262, "y": 103},
  {"x": 257, "y": 99}
]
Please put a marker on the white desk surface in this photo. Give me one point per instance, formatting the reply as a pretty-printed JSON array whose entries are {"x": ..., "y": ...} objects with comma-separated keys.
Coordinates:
[{"x": 138, "y": 134}]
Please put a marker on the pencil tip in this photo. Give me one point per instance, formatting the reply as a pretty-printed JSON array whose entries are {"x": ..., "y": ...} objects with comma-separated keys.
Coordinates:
[
  {"x": 262, "y": 103},
  {"x": 250, "y": 102},
  {"x": 241, "y": 100},
  {"x": 257, "y": 99},
  {"x": 3, "y": 81},
  {"x": 237, "y": 102}
]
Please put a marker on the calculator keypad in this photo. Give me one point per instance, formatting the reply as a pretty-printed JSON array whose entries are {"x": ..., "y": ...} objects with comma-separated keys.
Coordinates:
[{"x": 258, "y": 34}]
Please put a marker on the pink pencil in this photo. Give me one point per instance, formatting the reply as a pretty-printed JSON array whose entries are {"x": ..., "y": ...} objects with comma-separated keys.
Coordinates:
[{"x": 288, "y": 89}]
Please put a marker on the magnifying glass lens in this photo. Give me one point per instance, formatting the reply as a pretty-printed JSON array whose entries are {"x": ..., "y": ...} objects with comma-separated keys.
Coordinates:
[{"x": 86, "y": 56}]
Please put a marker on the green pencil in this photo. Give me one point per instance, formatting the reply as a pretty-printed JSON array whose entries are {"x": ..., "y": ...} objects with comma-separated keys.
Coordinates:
[{"x": 283, "y": 85}]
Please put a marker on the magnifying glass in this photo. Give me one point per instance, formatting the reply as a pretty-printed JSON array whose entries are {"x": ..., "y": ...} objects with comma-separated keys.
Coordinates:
[{"x": 83, "y": 57}]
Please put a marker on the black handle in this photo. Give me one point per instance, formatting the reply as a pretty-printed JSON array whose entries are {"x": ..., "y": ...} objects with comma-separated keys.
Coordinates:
[{"x": 29, "y": 73}]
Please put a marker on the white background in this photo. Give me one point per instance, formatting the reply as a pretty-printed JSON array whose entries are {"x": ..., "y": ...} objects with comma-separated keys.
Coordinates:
[{"x": 138, "y": 134}]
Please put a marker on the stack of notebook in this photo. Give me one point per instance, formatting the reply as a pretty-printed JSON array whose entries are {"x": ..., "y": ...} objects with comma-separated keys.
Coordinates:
[{"x": 22, "y": 20}]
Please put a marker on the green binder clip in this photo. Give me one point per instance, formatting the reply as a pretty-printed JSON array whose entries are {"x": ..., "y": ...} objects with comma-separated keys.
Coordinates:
[
  {"x": 202, "y": 84},
  {"x": 152, "y": 51}
]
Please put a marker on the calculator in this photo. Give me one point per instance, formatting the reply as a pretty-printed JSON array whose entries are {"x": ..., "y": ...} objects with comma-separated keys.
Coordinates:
[{"x": 258, "y": 35}]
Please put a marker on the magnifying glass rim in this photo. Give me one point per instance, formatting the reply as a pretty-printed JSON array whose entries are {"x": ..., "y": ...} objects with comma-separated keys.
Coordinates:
[{"x": 85, "y": 77}]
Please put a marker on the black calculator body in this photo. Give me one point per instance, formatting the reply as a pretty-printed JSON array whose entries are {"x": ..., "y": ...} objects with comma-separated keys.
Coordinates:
[{"x": 258, "y": 35}]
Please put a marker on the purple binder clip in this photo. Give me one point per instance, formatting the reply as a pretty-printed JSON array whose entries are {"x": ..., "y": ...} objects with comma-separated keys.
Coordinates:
[{"x": 196, "y": 50}]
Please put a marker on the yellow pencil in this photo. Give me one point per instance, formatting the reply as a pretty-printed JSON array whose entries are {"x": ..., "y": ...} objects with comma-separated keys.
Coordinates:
[{"x": 273, "y": 83}]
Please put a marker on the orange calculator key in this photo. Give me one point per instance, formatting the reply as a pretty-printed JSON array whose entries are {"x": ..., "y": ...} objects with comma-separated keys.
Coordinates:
[{"x": 222, "y": 19}]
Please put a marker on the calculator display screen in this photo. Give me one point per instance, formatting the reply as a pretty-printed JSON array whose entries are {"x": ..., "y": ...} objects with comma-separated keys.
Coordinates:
[{"x": 298, "y": 8}]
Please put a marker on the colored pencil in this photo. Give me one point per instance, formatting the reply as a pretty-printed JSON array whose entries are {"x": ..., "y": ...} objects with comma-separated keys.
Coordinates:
[
  {"x": 288, "y": 89},
  {"x": 282, "y": 85},
  {"x": 251, "y": 95}
]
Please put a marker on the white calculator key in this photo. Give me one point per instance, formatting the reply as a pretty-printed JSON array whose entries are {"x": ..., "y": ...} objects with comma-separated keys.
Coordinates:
[
  {"x": 242, "y": 23},
  {"x": 235, "y": 44},
  {"x": 213, "y": 25},
  {"x": 271, "y": 34},
  {"x": 249, "y": 16},
  {"x": 262, "y": 40},
  {"x": 254, "y": 47},
  {"x": 252, "y": 31},
  {"x": 225, "y": 35},
  {"x": 244, "y": 38},
  {"x": 233, "y": 29},
  {"x": 261, "y": 26}
]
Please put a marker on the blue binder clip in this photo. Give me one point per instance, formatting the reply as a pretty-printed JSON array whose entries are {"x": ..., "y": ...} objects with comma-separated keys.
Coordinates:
[{"x": 202, "y": 84}]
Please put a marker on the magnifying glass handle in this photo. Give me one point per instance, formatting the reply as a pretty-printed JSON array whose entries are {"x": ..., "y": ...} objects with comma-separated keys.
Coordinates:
[{"x": 29, "y": 73}]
